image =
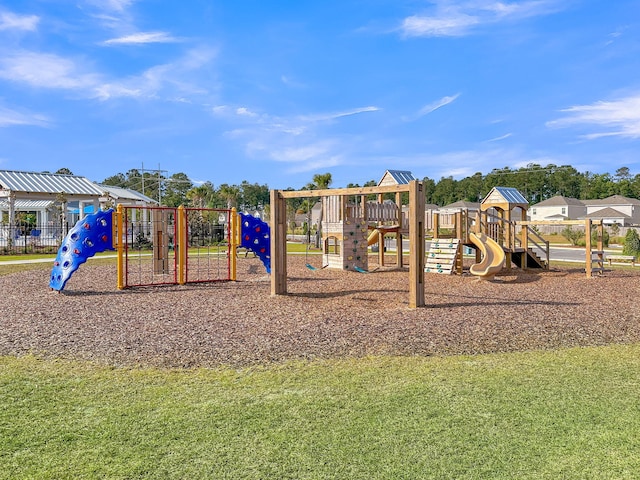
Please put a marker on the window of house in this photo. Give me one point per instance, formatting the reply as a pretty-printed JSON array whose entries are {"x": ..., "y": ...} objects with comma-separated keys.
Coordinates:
[
  {"x": 533, "y": 211},
  {"x": 564, "y": 211}
]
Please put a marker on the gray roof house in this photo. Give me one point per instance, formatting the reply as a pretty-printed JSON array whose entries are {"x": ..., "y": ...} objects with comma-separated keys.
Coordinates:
[
  {"x": 615, "y": 209},
  {"x": 459, "y": 206},
  {"x": 609, "y": 216},
  {"x": 558, "y": 208}
]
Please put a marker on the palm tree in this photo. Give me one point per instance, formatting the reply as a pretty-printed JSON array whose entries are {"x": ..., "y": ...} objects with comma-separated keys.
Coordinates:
[
  {"x": 321, "y": 181},
  {"x": 230, "y": 194},
  {"x": 201, "y": 196}
]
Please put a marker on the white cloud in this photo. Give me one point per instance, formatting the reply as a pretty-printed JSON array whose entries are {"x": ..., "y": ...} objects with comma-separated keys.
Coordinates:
[
  {"x": 117, "y": 6},
  {"x": 433, "y": 106},
  {"x": 456, "y": 19},
  {"x": 301, "y": 154},
  {"x": 219, "y": 109},
  {"x": 141, "y": 38},
  {"x": 107, "y": 91},
  {"x": 454, "y": 25},
  {"x": 308, "y": 157},
  {"x": 316, "y": 164},
  {"x": 303, "y": 142},
  {"x": 289, "y": 82},
  {"x": 45, "y": 71},
  {"x": 332, "y": 116},
  {"x": 9, "y": 118},
  {"x": 245, "y": 112},
  {"x": 501, "y": 137},
  {"x": 170, "y": 81},
  {"x": 620, "y": 118},
  {"x": 11, "y": 21}
]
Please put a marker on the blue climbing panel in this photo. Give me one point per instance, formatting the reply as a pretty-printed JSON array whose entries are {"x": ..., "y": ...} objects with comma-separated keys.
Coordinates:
[
  {"x": 91, "y": 235},
  {"x": 255, "y": 237}
]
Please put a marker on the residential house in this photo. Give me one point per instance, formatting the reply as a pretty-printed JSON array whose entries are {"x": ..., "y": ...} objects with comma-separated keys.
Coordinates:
[
  {"x": 558, "y": 208},
  {"x": 614, "y": 209}
]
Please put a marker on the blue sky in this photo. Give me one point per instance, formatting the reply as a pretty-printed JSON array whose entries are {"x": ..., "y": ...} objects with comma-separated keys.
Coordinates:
[{"x": 276, "y": 91}]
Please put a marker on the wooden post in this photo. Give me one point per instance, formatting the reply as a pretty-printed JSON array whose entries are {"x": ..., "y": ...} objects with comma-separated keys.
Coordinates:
[
  {"x": 398, "y": 234},
  {"x": 508, "y": 239},
  {"x": 119, "y": 239},
  {"x": 180, "y": 244},
  {"x": 160, "y": 242},
  {"x": 524, "y": 238},
  {"x": 278, "y": 244},
  {"x": 478, "y": 229},
  {"x": 436, "y": 225},
  {"x": 458, "y": 217},
  {"x": 234, "y": 237},
  {"x": 587, "y": 232},
  {"x": 416, "y": 238}
]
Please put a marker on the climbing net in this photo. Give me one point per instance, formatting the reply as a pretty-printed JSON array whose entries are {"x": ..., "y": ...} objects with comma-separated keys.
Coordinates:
[{"x": 151, "y": 240}]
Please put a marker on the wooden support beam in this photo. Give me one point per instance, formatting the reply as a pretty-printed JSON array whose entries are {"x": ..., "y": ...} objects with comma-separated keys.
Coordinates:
[
  {"x": 344, "y": 191},
  {"x": 398, "y": 234},
  {"x": 416, "y": 238},
  {"x": 436, "y": 225},
  {"x": 587, "y": 238},
  {"x": 278, "y": 243}
]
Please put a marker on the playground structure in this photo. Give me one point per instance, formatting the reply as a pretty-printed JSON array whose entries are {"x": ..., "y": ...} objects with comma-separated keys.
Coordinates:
[
  {"x": 493, "y": 257},
  {"x": 502, "y": 218},
  {"x": 351, "y": 224},
  {"x": 346, "y": 234},
  {"x": 163, "y": 245}
]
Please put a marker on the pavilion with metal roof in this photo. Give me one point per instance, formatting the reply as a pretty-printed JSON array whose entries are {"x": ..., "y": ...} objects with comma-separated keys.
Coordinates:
[
  {"x": 74, "y": 195},
  {"x": 17, "y": 187}
]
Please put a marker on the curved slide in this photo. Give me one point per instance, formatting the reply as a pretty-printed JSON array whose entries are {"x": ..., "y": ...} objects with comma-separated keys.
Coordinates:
[
  {"x": 493, "y": 257},
  {"x": 375, "y": 233},
  {"x": 373, "y": 237},
  {"x": 92, "y": 234}
]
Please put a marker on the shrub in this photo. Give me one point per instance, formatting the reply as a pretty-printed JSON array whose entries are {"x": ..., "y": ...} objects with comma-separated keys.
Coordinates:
[
  {"x": 615, "y": 229},
  {"x": 574, "y": 236},
  {"x": 631, "y": 243},
  {"x": 605, "y": 238}
]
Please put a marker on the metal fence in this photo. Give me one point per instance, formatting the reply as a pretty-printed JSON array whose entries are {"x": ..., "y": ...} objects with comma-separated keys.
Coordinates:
[{"x": 25, "y": 238}]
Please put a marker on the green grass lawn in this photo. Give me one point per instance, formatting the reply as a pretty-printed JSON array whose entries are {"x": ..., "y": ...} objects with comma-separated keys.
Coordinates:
[{"x": 561, "y": 414}]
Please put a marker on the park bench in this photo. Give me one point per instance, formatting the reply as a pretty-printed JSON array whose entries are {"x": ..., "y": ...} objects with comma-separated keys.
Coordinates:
[{"x": 622, "y": 258}]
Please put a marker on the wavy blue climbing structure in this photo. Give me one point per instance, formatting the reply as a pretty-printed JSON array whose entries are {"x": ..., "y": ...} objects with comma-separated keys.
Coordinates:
[
  {"x": 255, "y": 236},
  {"x": 91, "y": 235}
]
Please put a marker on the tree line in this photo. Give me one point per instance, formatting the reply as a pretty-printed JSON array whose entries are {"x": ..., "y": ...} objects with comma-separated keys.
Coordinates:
[{"x": 535, "y": 182}]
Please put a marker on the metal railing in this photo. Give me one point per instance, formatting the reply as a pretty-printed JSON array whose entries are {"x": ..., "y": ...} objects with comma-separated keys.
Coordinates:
[{"x": 24, "y": 238}]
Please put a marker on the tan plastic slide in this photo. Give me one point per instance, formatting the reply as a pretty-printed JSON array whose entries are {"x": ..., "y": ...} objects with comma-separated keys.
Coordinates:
[
  {"x": 493, "y": 257},
  {"x": 373, "y": 237},
  {"x": 375, "y": 233}
]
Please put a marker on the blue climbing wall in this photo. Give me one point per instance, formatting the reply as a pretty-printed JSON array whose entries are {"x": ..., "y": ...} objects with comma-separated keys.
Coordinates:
[
  {"x": 89, "y": 236},
  {"x": 255, "y": 237}
]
